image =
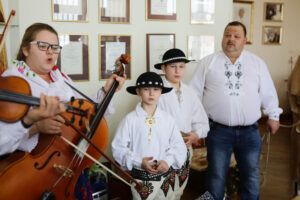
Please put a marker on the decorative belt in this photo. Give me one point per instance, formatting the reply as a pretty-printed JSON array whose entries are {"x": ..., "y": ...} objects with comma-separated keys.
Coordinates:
[
  {"x": 235, "y": 127},
  {"x": 145, "y": 176}
]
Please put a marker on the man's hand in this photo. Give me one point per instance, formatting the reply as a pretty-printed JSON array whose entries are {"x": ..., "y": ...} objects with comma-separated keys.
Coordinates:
[
  {"x": 273, "y": 126},
  {"x": 190, "y": 139},
  {"x": 163, "y": 166},
  {"x": 150, "y": 167}
]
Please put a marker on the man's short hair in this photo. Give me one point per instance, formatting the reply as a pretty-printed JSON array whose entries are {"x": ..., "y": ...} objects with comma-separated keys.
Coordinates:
[{"x": 236, "y": 23}]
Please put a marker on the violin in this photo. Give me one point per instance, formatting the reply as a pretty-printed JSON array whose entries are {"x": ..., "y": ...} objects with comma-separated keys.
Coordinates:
[
  {"x": 52, "y": 169},
  {"x": 17, "y": 90}
]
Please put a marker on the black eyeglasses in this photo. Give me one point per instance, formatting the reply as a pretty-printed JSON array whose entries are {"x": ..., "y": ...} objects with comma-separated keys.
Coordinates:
[{"x": 44, "y": 46}]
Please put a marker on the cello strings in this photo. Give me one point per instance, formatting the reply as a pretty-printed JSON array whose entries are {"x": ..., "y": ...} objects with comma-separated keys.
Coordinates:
[{"x": 96, "y": 161}]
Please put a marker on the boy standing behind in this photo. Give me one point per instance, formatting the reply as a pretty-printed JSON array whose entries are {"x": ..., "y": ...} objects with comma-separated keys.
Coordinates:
[
  {"x": 184, "y": 105},
  {"x": 148, "y": 142}
]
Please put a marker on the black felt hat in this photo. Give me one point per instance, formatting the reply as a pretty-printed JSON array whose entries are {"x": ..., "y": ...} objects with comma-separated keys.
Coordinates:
[
  {"x": 172, "y": 55},
  {"x": 148, "y": 79}
]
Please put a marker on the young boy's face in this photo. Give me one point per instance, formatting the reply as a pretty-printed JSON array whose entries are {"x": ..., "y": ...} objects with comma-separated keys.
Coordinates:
[
  {"x": 149, "y": 95},
  {"x": 174, "y": 71}
]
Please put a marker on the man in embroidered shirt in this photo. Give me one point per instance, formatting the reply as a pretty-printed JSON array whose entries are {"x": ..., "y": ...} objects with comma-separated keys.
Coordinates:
[{"x": 233, "y": 85}]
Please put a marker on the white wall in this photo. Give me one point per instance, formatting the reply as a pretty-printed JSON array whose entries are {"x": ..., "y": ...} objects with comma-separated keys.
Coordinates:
[
  {"x": 277, "y": 56},
  {"x": 31, "y": 11}
]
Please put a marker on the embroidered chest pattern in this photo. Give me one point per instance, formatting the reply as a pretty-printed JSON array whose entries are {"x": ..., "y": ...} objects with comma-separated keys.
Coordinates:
[{"x": 234, "y": 78}]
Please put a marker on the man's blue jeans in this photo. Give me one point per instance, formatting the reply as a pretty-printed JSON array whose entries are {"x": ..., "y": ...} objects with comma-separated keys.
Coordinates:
[{"x": 246, "y": 145}]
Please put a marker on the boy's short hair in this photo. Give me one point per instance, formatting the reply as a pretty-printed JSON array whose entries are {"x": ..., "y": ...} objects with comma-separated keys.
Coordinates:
[{"x": 148, "y": 79}]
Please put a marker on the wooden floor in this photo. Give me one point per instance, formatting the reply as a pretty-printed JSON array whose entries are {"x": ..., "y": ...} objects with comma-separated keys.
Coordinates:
[{"x": 278, "y": 185}]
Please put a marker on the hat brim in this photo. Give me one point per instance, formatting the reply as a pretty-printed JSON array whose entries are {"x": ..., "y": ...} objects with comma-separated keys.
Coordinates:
[
  {"x": 132, "y": 89},
  {"x": 158, "y": 65}
]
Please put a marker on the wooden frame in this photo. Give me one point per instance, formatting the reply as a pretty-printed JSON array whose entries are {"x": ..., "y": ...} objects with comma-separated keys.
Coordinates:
[
  {"x": 202, "y": 11},
  {"x": 62, "y": 12},
  {"x": 112, "y": 11},
  {"x": 110, "y": 48},
  {"x": 200, "y": 46},
  {"x": 273, "y": 11},
  {"x": 157, "y": 45},
  {"x": 243, "y": 12},
  {"x": 161, "y": 10},
  {"x": 272, "y": 35},
  {"x": 74, "y": 57},
  {"x": 3, "y": 59},
  {"x": 2, "y": 17}
]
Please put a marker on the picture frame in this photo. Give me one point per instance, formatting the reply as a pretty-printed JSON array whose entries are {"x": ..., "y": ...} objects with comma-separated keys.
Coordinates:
[
  {"x": 2, "y": 17},
  {"x": 157, "y": 45},
  {"x": 243, "y": 11},
  {"x": 200, "y": 46},
  {"x": 114, "y": 11},
  {"x": 272, "y": 35},
  {"x": 273, "y": 11},
  {"x": 161, "y": 10},
  {"x": 202, "y": 11},
  {"x": 73, "y": 59},
  {"x": 3, "y": 59},
  {"x": 70, "y": 11},
  {"x": 110, "y": 48}
]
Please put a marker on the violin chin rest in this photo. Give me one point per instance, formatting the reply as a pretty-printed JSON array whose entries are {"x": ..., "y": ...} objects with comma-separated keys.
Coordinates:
[{"x": 47, "y": 195}]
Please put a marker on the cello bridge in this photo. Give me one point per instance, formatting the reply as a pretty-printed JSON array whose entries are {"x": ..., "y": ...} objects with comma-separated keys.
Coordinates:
[{"x": 66, "y": 171}]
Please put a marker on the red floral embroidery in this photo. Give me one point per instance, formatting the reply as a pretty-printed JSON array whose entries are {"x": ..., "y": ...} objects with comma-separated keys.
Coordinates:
[
  {"x": 20, "y": 69},
  {"x": 64, "y": 75},
  {"x": 54, "y": 68}
]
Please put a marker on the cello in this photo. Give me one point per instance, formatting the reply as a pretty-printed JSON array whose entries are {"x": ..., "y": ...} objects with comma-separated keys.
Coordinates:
[{"x": 51, "y": 170}]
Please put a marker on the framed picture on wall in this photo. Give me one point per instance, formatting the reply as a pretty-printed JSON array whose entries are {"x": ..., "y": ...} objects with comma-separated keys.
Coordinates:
[
  {"x": 70, "y": 11},
  {"x": 3, "y": 59},
  {"x": 114, "y": 11},
  {"x": 74, "y": 57},
  {"x": 161, "y": 10},
  {"x": 111, "y": 47},
  {"x": 273, "y": 11},
  {"x": 272, "y": 35},
  {"x": 200, "y": 46},
  {"x": 157, "y": 45},
  {"x": 202, "y": 11},
  {"x": 243, "y": 12},
  {"x": 2, "y": 19}
]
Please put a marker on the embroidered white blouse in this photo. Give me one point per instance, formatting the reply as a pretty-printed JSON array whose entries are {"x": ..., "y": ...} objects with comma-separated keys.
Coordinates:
[
  {"x": 186, "y": 109},
  {"x": 130, "y": 144},
  {"x": 232, "y": 94},
  {"x": 13, "y": 135}
]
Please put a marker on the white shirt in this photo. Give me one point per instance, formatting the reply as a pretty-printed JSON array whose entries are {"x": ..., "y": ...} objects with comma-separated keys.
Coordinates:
[
  {"x": 13, "y": 135},
  {"x": 131, "y": 142},
  {"x": 232, "y": 94},
  {"x": 186, "y": 109}
]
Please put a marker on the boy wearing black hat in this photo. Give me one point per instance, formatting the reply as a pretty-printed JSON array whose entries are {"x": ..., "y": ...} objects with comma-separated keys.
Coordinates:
[
  {"x": 148, "y": 142},
  {"x": 184, "y": 105}
]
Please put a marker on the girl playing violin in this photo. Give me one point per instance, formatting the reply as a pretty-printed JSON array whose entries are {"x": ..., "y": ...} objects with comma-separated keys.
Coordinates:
[{"x": 35, "y": 63}]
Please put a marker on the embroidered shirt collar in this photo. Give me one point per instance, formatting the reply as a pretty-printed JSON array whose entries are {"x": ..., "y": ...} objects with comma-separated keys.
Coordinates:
[{"x": 238, "y": 60}]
